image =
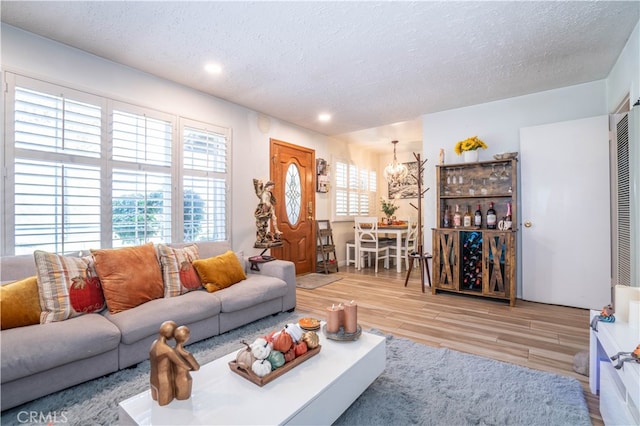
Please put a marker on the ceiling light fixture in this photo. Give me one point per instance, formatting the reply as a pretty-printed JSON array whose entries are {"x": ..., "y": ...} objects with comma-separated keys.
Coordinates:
[
  {"x": 395, "y": 172},
  {"x": 324, "y": 117},
  {"x": 213, "y": 68}
]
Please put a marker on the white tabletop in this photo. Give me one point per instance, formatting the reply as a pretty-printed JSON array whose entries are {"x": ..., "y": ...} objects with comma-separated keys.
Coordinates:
[{"x": 220, "y": 396}]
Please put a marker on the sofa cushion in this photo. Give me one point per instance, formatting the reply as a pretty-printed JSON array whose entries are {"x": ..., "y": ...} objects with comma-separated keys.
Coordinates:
[
  {"x": 178, "y": 274},
  {"x": 144, "y": 321},
  {"x": 220, "y": 272},
  {"x": 130, "y": 276},
  {"x": 250, "y": 292},
  {"x": 67, "y": 286},
  {"x": 20, "y": 303},
  {"x": 37, "y": 348}
]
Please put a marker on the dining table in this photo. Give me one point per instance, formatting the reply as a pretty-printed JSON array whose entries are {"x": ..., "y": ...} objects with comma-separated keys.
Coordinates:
[{"x": 398, "y": 230}]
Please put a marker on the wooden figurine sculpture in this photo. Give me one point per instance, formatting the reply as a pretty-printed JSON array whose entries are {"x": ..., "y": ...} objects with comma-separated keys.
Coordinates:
[
  {"x": 169, "y": 377},
  {"x": 265, "y": 213}
]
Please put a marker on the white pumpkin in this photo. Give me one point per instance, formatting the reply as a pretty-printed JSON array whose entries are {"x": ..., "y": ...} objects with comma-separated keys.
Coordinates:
[
  {"x": 294, "y": 331},
  {"x": 261, "y": 367},
  {"x": 260, "y": 348}
]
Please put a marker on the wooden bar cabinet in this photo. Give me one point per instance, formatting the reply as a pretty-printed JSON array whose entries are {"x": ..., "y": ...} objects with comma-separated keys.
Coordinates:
[{"x": 476, "y": 260}]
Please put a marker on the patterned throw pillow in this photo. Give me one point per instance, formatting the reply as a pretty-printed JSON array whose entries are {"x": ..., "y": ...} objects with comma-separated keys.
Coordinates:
[
  {"x": 219, "y": 272},
  {"x": 19, "y": 303},
  {"x": 68, "y": 286},
  {"x": 178, "y": 273}
]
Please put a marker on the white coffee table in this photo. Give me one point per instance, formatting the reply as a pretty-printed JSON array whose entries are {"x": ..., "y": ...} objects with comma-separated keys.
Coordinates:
[{"x": 317, "y": 391}]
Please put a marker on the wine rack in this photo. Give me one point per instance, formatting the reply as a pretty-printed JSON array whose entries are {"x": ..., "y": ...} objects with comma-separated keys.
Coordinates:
[{"x": 476, "y": 260}]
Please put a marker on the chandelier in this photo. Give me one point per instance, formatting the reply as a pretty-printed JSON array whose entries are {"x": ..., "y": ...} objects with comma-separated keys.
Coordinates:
[{"x": 395, "y": 172}]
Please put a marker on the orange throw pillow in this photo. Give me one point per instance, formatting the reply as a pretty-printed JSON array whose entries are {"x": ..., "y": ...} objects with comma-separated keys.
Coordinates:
[
  {"x": 19, "y": 303},
  {"x": 219, "y": 272},
  {"x": 130, "y": 276}
]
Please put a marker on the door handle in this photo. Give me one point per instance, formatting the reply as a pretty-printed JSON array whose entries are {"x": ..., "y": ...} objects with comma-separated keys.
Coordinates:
[
  {"x": 310, "y": 210},
  {"x": 527, "y": 224}
]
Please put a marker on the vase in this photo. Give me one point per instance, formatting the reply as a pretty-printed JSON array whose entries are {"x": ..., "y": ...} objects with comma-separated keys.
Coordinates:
[{"x": 470, "y": 156}]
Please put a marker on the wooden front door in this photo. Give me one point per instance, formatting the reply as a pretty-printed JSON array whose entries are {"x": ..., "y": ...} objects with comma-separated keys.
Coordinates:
[{"x": 292, "y": 171}]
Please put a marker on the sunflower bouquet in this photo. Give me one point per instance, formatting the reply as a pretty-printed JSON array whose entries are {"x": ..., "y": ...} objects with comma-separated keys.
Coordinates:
[{"x": 469, "y": 144}]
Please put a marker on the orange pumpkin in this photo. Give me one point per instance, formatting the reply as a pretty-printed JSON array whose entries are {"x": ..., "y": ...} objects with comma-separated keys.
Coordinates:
[
  {"x": 289, "y": 355},
  {"x": 300, "y": 347},
  {"x": 282, "y": 342}
]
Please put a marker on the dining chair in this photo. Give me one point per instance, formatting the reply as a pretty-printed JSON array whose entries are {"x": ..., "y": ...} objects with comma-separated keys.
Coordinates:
[
  {"x": 408, "y": 243},
  {"x": 367, "y": 242},
  {"x": 351, "y": 245}
]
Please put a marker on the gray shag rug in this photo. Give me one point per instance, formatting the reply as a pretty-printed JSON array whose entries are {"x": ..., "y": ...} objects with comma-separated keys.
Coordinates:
[{"x": 421, "y": 385}]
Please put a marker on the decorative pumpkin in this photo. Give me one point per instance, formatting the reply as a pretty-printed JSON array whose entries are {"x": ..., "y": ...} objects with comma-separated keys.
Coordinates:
[
  {"x": 294, "y": 331},
  {"x": 269, "y": 337},
  {"x": 282, "y": 342},
  {"x": 311, "y": 339},
  {"x": 289, "y": 355},
  {"x": 300, "y": 347},
  {"x": 276, "y": 358},
  {"x": 244, "y": 356},
  {"x": 260, "y": 348},
  {"x": 261, "y": 367}
]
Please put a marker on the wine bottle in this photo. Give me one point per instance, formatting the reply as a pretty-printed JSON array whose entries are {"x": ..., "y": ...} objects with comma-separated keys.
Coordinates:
[
  {"x": 492, "y": 219},
  {"x": 466, "y": 220},
  {"x": 457, "y": 219},
  {"x": 477, "y": 217},
  {"x": 446, "y": 220},
  {"x": 507, "y": 219}
]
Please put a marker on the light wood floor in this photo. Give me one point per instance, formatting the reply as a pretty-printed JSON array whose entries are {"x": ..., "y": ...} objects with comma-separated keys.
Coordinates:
[{"x": 534, "y": 335}]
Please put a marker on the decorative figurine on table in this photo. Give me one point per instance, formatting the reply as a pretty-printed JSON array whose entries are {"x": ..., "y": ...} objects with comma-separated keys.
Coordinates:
[
  {"x": 265, "y": 213},
  {"x": 623, "y": 357},
  {"x": 606, "y": 315},
  {"x": 169, "y": 376}
]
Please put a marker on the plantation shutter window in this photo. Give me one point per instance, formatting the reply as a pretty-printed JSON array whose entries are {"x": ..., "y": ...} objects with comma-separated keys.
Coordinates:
[
  {"x": 141, "y": 185},
  {"x": 353, "y": 190},
  {"x": 55, "y": 170},
  {"x": 83, "y": 171},
  {"x": 206, "y": 174}
]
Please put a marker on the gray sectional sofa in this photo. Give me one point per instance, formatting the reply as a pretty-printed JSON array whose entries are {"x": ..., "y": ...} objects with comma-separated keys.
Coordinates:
[{"x": 44, "y": 358}]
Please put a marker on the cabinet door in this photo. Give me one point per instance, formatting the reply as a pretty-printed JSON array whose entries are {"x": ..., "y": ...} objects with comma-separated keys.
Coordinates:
[
  {"x": 499, "y": 264},
  {"x": 446, "y": 250}
]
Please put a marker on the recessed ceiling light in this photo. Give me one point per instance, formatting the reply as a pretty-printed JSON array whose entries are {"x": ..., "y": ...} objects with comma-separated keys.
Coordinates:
[
  {"x": 324, "y": 117},
  {"x": 213, "y": 68}
]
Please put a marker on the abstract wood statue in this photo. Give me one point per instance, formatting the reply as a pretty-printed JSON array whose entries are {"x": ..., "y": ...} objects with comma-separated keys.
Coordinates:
[
  {"x": 265, "y": 214},
  {"x": 169, "y": 376},
  {"x": 419, "y": 254}
]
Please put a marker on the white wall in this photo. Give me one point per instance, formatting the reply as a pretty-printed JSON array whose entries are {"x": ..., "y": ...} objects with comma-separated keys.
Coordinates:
[
  {"x": 38, "y": 57},
  {"x": 623, "y": 80}
]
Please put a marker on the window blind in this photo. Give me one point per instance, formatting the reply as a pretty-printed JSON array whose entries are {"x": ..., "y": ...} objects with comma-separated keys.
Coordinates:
[
  {"x": 354, "y": 189},
  {"x": 205, "y": 183},
  {"x": 85, "y": 172}
]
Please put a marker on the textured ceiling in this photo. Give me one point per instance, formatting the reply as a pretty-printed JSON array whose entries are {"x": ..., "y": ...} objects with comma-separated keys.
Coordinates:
[{"x": 369, "y": 64}]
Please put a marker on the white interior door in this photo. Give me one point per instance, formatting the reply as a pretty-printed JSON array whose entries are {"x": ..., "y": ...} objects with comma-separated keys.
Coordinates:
[{"x": 565, "y": 213}]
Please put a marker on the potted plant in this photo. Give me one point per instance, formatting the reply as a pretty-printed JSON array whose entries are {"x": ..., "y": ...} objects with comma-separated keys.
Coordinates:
[
  {"x": 388, "y": 208},
  {"x": 469, "y": 147}
]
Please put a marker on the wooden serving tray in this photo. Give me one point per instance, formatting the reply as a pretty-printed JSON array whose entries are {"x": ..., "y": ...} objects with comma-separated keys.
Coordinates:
[{"x": 261, "y": 381}]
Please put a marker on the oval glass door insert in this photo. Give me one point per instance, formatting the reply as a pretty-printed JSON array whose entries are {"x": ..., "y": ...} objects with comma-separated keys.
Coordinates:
[{"x": 293, "y": 194}]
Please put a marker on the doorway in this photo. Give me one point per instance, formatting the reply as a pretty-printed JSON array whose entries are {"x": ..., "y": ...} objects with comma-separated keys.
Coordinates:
[{"x": 292, "y": 171}]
